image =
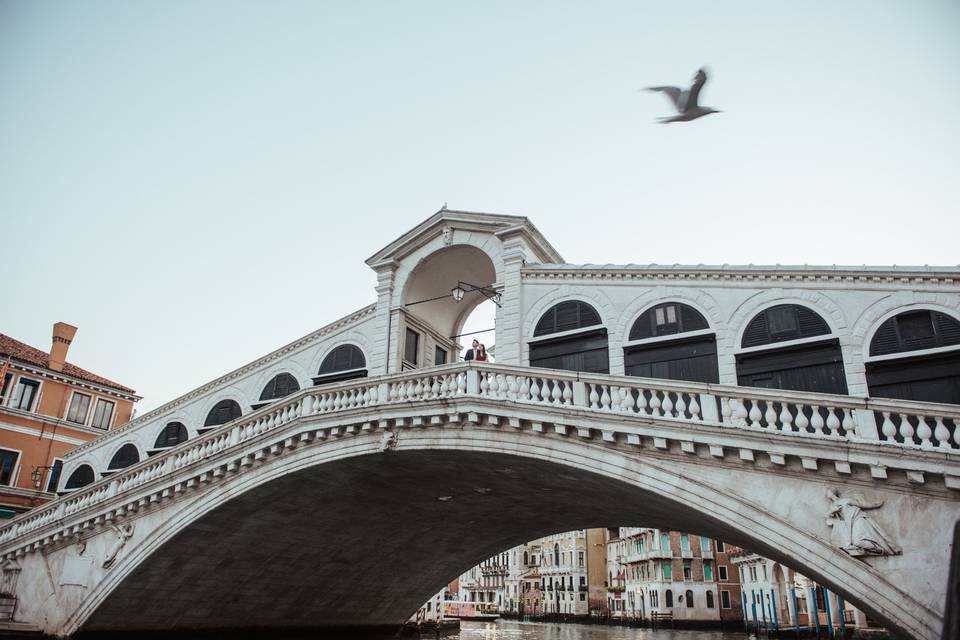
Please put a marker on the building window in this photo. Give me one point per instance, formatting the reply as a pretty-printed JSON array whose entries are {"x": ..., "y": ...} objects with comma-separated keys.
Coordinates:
[
  {"x": 684, "y": 357},
  {"x": 664, "y": 542},
  {"x": 6, "y": 387},
  {"x": 707, "y": 570},
  {"x": 439, "y": 356},
  {"x": 411, "y": 347},
  {"x": 222, "y": 413},
  {"x": 54, "y": 476},
  {"x": 81, "y": 477},
  {"x": 704, "y": 544},
  {"x": 684, "y": 542},
  {"x": 171, "y": 435},
  {"x": 724, "y": 599},
  {"x": 124, "y": 457},
  {"x": 25, "y": 394},
  {"x": 719, "y": 546},
  {"x": 345, "y": 362},
  {"x": 709, "y": 599},
  {"x": 689, "y": 597},
  {"x": 580, "y": 558},
  {"x": 667, "y": 570},
  {"x": 102, "y": 414},
  {"x": 668, "y": 597},
  {"x": 687, "y": 570},
  {"x": 79, "y": 404},
  {"x": 722, "y": 572},
  {"x": 583, "y": 597},
  {"x": 280, "y": 386},
  {"x": 8, "y": 466},
  {"x": 583, "y": 351}
]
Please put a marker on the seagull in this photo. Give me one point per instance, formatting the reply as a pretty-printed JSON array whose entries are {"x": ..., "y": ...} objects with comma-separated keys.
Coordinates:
[{"x": 686, "y": 101}]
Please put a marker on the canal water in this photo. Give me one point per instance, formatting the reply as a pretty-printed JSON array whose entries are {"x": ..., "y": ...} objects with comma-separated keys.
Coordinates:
[{"x": 512, "y": 630}]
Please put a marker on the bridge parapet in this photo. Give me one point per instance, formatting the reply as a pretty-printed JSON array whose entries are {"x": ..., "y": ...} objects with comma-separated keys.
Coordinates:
[{"x": 661, "y": 411}]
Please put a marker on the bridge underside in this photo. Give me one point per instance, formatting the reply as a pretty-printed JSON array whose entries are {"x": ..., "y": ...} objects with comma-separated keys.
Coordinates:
[{"x": 300, "y": 552}]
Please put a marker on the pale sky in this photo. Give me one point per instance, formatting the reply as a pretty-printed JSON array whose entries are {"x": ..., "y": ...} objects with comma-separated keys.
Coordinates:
[{"x": 194, "y": 184}]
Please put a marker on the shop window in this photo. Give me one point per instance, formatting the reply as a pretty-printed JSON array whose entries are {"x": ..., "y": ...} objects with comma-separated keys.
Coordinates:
[{"x": 585, "y": 350}]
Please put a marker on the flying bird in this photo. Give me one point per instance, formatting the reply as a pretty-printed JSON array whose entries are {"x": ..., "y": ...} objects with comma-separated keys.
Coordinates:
[{"x": 686, "y": 101}]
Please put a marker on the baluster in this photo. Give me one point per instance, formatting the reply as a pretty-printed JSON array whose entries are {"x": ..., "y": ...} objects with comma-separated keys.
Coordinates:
[
  {"x": 680, "y": 406},
  {"x": 626, "y": 399},
  {"x": 889, "y": 429},
  {"x": 849, "y": 423},
  {"x": 833, "y": 422},
  {"x": 786, "y": 418},
  {"x": 906, "y": 429},
  {"x": 444, "y": 386},
  {"x": 494, "y": 385},
  {"x": 770, "y": 416},
  {"x": 545, "y": 391},
  {"x": 654, "y": 402},
  {"x": 501, "y": 386},
  {"x": 366, "y": 396},
  {"x": 594, "y": 397},
  {"x": 417, "y": 390},
  {"x": 484, "y": 383},
  {"x": 435, "y": 389},
  {"x": 534, "y": 390},
  {"x": 512, "y": 387},
  {"x": 694, "y": 407},
  {"x": 816, "y": 420},
  {"x": 755, "y": 414},
  {"x": 667, "y": 405},
  {"x": 802, "y": 422},
  {"x": 462, "y": 383},
  {"x": 568, "y": 392},
  {"x": 556, "y": 393},
  {"x": 924, "y": 432},
  {"x": 605, "y": 398},
  {"x": 641, "y": 402},
  {"x": 942, "y": 433},
  {"x": 726, "y": 411},
  {"x": 524, "y": 388}
]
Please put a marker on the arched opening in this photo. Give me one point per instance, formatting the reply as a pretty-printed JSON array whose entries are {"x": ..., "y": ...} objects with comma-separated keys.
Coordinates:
[
  {"x": 223, "y": 412},
  {"x": 81, "y": 477},
  {"x": 689, "y": 599},
  {"x": 668, "y": 598},
  {"x": 710, "y": 604},
  {"x": 439, "y": 296},
  {"x": 123, "y": 458},
  {"x": 345, "y": 362},
  {"x": 915, "y": 355},
  {"x": 172, "y": 434},
  {"x": 672, "y": 341},
  {"x": 480, "y": 327},
  {"x": 778, "y": 352},
  {"x": 570, "y": 336},
  {"x": 279, "y": 386}
]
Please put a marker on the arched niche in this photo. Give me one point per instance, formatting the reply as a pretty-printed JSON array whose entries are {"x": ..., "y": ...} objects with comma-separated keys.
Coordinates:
[
  {"x": 570, "y": 335},
  {"x": 430, "y": 316},
  {"x": 779, "y": 351},
  {"x": 345, "y": 362},
  {"x": 672, "y": 340},
  {"x": 915, "y": 355}
]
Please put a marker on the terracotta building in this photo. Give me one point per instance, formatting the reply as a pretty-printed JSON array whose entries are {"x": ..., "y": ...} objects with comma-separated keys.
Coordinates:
[{"x": 47, "y": 407}]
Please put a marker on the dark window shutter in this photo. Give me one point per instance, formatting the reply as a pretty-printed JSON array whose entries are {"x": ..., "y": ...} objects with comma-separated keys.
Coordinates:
[
  {"x": 280, "y": 385},
  {"x": 756, "y": 332},
  {"x": 781, "y": 323},
  {"x": 913, "y": 331},
  {"x": 687, "y": 319},
  {"x": 343, "y": 358},
  {"x": 124, "y": 457},
  {"x": 567, "y": 316},
  {"x": 172, "y": 434},
  {"x": 222, "y": 413},
  {"x": 885, "y": 340},
  {"x": 948, "y": 329},
  {"x": 81, "y": 477}
]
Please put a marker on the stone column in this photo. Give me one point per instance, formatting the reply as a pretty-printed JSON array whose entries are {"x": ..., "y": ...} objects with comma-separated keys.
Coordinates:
[
  {"x": 379, "y": 357},
  {"x": 509, "y": 314}
]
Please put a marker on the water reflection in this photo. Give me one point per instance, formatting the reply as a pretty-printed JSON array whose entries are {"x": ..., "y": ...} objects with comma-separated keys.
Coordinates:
[{"x": 511, "y": 630}]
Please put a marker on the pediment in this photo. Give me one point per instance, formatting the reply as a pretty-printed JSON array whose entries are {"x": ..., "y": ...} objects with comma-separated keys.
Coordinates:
[{"x": 492, "y": 223}]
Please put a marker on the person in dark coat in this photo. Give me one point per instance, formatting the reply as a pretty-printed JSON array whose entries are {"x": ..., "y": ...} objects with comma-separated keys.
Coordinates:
[{"x": 471, "y": 353}]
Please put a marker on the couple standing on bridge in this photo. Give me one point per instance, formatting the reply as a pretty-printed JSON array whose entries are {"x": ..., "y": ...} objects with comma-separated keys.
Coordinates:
[{"x": 478, "y": 352}]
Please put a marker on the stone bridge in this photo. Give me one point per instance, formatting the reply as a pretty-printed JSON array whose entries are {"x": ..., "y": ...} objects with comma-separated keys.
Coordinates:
[{"x": 350, "y": 504}]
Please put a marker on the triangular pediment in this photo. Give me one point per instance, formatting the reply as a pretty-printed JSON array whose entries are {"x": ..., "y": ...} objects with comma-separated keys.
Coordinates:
[{"x": 492, "y": 223}]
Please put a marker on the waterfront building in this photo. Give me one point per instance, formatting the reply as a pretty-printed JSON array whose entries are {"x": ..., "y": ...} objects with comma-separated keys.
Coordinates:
[
  {"x": 776, "y": 596},
  {"x": 563, "y": 573},
  {"x": 668, "y": 573},
  {"x": 48, "y": 406}
]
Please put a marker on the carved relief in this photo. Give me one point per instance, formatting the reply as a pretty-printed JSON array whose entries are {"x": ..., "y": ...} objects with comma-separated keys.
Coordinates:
[
  {"x": 447, "y": 235},
  {"x": 853, "y": 530},
  {"x": 8, "y": 581},
  {"x": 388, "y": 441},
  {"x": 124, "y": 533}
]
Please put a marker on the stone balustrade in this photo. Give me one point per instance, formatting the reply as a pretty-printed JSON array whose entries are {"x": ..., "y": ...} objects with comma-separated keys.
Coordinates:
[{"x": 789, "y": 414}]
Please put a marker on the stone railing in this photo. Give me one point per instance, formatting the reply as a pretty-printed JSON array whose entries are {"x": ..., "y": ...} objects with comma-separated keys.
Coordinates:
[{"x": 906, "y": 425}]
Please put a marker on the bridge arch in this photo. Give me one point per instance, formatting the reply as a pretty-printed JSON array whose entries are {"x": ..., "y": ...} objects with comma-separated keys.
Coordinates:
[{"x": 487, "y": 468}]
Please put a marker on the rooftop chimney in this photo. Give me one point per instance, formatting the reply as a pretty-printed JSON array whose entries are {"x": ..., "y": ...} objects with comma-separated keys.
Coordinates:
[{"x": 62, "y": 337}]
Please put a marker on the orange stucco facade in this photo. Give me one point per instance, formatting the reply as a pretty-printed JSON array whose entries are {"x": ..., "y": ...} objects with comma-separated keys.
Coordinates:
[{"x": 47, "y": 408}]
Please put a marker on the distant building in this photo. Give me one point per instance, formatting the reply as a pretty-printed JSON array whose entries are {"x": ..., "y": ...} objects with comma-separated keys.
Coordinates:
[
  {"x": 669, "y": 573},
  {"x": 47, "y": 407}
]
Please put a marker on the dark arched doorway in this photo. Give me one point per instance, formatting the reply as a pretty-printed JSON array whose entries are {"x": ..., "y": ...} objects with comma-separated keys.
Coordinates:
[
  {"x": 570, "y": 336},
  {"x": 672, "y": 341}
]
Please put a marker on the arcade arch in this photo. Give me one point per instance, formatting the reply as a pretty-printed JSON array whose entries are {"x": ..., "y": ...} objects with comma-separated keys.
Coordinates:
[
  {"x": 570, "y": 335},
  {"x": 672, "y": 340}
]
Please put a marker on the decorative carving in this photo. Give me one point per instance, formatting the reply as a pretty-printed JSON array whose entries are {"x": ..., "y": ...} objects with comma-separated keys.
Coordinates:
[
  {"x": 124, "y": 533},
  {"x": 388, "y": 441},
  {"x": 8, "y": 581},
  {"x": 447, "y": 235},
  {"x": 853, "y": 530}
]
